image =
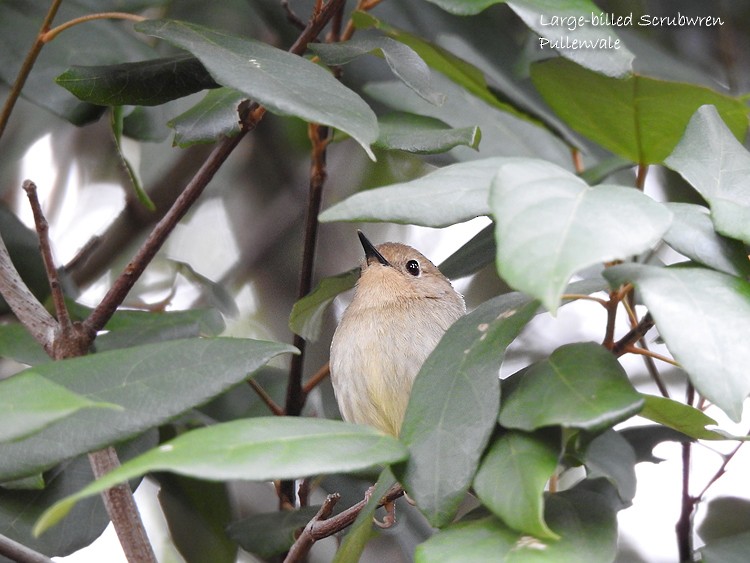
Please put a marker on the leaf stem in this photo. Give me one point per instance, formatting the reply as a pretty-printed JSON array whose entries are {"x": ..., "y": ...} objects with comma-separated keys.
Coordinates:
[
  {"x": 20, "y": 553},
  {"x": 54, "y": 32},
  {"x": 26, "y": 66},
  {"x": 266, "y": 398}
]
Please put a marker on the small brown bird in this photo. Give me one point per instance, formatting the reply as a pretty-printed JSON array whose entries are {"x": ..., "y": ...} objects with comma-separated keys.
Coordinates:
[{"x": 401, "y": 308}]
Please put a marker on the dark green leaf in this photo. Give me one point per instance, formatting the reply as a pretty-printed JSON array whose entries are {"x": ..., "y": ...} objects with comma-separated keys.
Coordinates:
[
  {"x": 639, "y": 118},
  {"x": 704, "y": 318},
  {"x": 402, "y": 59},
  {"x": 423, "y": 135},
  {"x": 20, "y": 509},
  {"x": 715, "y": 163},
  {"x": 511, "y": 479},
  {"x": 472, "y": 256},
  {"x": 152, "y": 383},
  {"x": 213, "y": 117},
  {"x": 307, "y": 313},
  {"x": 30, "y": 402},
  {"x": 272, "y": 533},
  {"x": 16, "y": 343},
  {"x": 282, "y": 82},
  {"x": 578, "y": 386},
  {"x": 692, "y": 234},
  {"x": 611, "y": 457},
  {"x": 256, "y": 449},
  {"x": 643, "y": 440},
  {"x": 117, "y": 125},
  {"x": 485, "y": 539},
  {"x": 447, "y": 432},
  {"x": 550, "y": 224},
  {"x": 145, "y": 83},
  {"x": 448, "y": 195},
  {"x": 197, "y": 513}
]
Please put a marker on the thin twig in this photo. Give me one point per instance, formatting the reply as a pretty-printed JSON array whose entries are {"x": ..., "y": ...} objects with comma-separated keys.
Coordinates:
[
  {"x": 683, "y": 527},
  {"x": 609, "y": 334},
  {"x": 26, "y": 66},
  {"x": 266, "y": 398},
  {"x": 651, "y": 354},
  {"x": 291, "y": 17},
  {"x": 322, "y": 527},
  {"x": 633, "y": 336},
  {"x": 584, "y": 297},
  {"x": 577, "y": 160},
  {"x": 640, "y": 177},
  {"x": 54, "y": 32},
  {"x": 20, "y": 553},
  {"x": 315, "y": 380},
  {"x": 42, "y": 229},
  {"x": 723, "y": 469}
]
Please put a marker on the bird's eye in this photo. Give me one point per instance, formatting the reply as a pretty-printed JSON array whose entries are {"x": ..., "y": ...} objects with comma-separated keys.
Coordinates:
[{"x": 412, "y": 266}]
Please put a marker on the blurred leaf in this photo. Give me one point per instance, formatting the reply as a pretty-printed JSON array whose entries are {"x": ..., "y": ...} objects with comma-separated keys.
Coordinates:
[
  {"x": 255, "y": 449},
  {"x": 30, "y": 402},
  {"x": 447, "y": 431},
  {"x": 679, "y": 416},
  {"x": 153, "y": 383},
  {"x": 704, "y": 318},
  {"x": 282, "y": 82},
  {"x": 725, "y": 517},
  {"x": 272, "y": 533},
  {"x": 213, "y": 117},
  {"x": 197, "y": 513},
  {"x": 360, "y": 531},
  {"x": 511, "y": 479},
  {"x": 692, "y": 234},
  {"x": 639, "y": 118},
  {"x": 579, "y": 386},
  {"x": 116, "y": 122},
  {"x": 404, "y": 61},
  {"x": 472, "y": 256},
  {"x": 611, "y": 457},
  {"x": 16, "y": 343},
  {"x": 583, "y": 519},
  {"x": 731, "y": 549},
  {"x": 423, "y": 135},
  {"x": 306, "y": 317},
  {"x": 643, "y": 439},
  {"x": 715, "y": 163},
  {"x": 19, "y": 25},
  {"x": 145, "y": 83},
  {"x": 448, "y": 195},
  {"x": 550, "y": 224},
  {"x": 215, "y": 293},
  {"x": 20, "y": 509},
  {"x": 537, "y": 14}
]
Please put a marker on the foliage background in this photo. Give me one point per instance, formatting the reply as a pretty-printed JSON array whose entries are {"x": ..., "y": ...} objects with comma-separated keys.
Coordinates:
[{"x": 239, "y": 250}]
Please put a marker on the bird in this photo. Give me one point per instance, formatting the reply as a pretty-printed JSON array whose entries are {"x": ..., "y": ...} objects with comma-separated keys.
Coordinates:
[{"x": 401, "y": 308}]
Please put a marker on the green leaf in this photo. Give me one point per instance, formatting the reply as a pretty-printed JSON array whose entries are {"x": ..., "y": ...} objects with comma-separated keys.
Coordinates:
[
  {"x": 730, "y": 549},
  {"x": 692, "y": 234},
  {"x": 152, "y": 383},
  {"x": 271, "y": 533},
  {"x": 610, "y": 456},
  {"x": 213, "y": 117},
  {"x": 256, "y": 449},
  {"x": 447, "y": 432},
  {"x": 639, "y": 118},
  {"x": 360, "y": 532},
  {"x": 145, "y": 83},
  {"x": 282, "y": 82},
  {"x": 16, "y": 343},
  {"x": 584, "y": 520},
  {"x": 550, "y": 224},
  {"x": 423, "y": 135},
  {"x": 448, "y": 195},
  {"x": 643, "y": 439},
  {"x": 306, "y": 317},
  {"x": 715, "y": 163},
  {"x": 600, "y": 52},
  {"x": 404, "y": 61},
  {"x": 704, "y": 318},
  {"x": 681, "y": 417},
  {"x": 511, "y": 479},
  {"x": 579, "y": 386},
  {"x": 30, "y": 402},
  {"x": 117, "y": 124}
]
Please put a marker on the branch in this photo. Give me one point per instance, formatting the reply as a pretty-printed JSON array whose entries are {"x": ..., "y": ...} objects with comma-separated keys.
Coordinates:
[
  {"x": 52, "y": 33},
  {"x": 20, "y": 553},
  {"x": 321, "y": 526},
  {"x": 633, "y": 336}
]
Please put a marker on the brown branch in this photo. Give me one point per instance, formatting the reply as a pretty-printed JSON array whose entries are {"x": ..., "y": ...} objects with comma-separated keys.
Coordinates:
[
  {"x": 122, "y": 510},
  {"x": 640, "y": 178},
  {"x": 321, "y": 526},
  {"x": 315, "y": 380},
  {"x": 26, "y": 66},
  {"x": 266, "y": 398},
  {"x": 20, "y": 553},
  {"x": 291, "y": 17},
  {"x": 633, "y": 336},
  {"x": 52, "y": 33},
  {"x": 683, "y": 527}
]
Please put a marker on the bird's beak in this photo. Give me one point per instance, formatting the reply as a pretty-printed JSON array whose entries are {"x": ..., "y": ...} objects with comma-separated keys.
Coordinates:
[{"x": 371, "y": 253}]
